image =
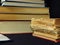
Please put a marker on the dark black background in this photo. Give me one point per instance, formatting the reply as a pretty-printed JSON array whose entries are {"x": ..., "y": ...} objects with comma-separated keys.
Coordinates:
[
  {"x": 54, "y": 8},
  {"x": 47, "y": 3},
  {"x": 0, "y": 2},
  {"x": 26, "y": 39}
]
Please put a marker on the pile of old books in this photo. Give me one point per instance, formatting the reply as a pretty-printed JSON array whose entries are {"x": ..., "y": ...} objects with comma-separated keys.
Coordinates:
[
  {"x": 23, "y": 3},
  {"x": 46, "y": 28}
]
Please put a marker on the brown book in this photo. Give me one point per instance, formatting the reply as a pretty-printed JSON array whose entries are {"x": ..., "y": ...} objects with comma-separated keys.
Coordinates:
[
  {"x": 24, "y": 10},
  {"x": 20, "y": 16}
]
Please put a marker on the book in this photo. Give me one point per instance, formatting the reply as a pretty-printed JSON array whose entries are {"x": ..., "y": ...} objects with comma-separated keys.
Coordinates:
[
  {"x": 26, "y": 1},
  {"x": 20, "y": 10},
  {"x": 18, "y": 4},
  {"x": 46, "y": 27},
  {"x": 20, "y": 16},
  {"x": 3, "y": 38},
  {"x": 45, "y": 36},
  {"x": 48, "y": 24},
  {"x": 15, "y": 27}
]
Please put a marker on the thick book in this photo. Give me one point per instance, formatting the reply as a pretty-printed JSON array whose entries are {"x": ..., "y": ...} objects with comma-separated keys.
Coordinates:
[
  {"x": 46, "y": 27},
  {"x": 47, "y": 24},
  {"x": 45, "y": 36},
  {"x": 15, "y": 27},
  {"x": 20, "y": 10},
  {"x": 26, "y": 1},
  {"x": 18, "y": 4},
  {"x": 20, "y": 16}
]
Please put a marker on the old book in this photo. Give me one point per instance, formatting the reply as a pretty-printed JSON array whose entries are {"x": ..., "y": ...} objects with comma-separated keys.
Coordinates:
[
  {"x": 24, "y": 10},
  {"x": 46, "y": 26},
  {"x": 45, "y": 23},
  {"x": 15, "y": 27},
  {"x": 20, "y": 16},
  {"x": 45, "y": 36},
  {"x": 29, "y": 1},
  {"x": 18, "y": 4}
]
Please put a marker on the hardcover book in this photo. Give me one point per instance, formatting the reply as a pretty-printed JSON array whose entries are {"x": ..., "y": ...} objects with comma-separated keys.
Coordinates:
[
  {"x": 17, "y": 4},
  {"x": 23, "y": 3},
  {"x": 29, "y": 1},
  {"x": 20, "y": 10},
  {"x": 15, "y": 27}
]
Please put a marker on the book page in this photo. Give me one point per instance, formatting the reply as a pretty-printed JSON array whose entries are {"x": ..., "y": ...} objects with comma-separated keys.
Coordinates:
[{"x": 4, "y": 38}]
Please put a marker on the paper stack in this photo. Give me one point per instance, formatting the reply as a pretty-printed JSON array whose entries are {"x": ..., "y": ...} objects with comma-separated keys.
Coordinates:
[{"x": 46, "y": 28}]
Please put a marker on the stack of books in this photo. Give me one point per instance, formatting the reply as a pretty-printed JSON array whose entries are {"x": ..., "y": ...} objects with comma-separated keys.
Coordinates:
[
  {"x": 23, "y": 3},
  {"x": 46, "y": 28}
]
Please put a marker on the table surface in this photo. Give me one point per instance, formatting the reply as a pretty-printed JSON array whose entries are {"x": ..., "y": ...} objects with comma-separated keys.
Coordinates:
[{"x": 26, "y": 39}]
